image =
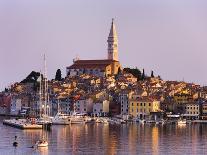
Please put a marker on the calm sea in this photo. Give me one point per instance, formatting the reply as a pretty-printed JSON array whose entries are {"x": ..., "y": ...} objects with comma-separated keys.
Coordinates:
[{"x": 108, "y": 139}]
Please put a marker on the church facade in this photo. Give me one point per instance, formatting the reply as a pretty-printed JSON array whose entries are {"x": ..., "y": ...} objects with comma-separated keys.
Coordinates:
[{"x": 104, "y": 67}]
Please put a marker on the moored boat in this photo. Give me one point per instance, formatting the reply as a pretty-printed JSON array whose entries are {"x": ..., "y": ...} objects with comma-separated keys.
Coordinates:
[
  {"x": 182, "y": 122},
  {"x": 61, "y": 119}
]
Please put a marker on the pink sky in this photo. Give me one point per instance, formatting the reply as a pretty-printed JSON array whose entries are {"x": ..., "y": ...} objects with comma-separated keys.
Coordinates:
[{"x": 168, "y": 37}]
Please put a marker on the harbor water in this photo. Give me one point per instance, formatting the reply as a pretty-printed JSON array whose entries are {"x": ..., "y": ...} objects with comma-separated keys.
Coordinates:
[{"x": 107, "y": 139}]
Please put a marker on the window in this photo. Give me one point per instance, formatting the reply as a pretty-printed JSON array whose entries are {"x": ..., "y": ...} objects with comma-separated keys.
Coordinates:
[
  {"x": 137, "y": 104},
  {"x": 144, "y": 104},
  {"x": 140, "y": 104},
  {"x": 132, "y": 104},
  {"x": 149, "y": 104}
]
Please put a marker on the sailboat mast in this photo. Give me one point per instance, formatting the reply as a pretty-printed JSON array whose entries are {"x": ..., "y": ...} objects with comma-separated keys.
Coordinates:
[
  {"x": 40, "y": 95},
  {"x": 45, "y": 85}
]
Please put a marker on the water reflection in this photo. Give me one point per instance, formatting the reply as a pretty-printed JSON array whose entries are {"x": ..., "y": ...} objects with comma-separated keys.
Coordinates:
[
  {"x": 109, "y": 139},
  {"x": 155, "y": 136}
]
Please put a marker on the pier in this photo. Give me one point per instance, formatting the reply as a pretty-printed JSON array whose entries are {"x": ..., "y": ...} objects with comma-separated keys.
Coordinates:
[{"x": 21, "y": 124}]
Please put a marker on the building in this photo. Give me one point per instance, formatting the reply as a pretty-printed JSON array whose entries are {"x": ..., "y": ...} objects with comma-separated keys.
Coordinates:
[
  {"x": 105, "y": 67},
  {"x": 5, "y": 101},
  {"x": 101, "y": 108},
  {"x": 84, "y": 105},
  {"x": 192, "y": 110},
  {"x": 204, "y": 111},
  {"x": 142, "y": 107},
  {"x": 124, "y": 97},
  {"x": 182, "y": 98},
  {"x": 16, "y": 105}
]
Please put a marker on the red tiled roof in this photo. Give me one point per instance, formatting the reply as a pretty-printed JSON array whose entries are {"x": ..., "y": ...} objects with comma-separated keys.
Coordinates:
[{"x": 91, "y": 64}]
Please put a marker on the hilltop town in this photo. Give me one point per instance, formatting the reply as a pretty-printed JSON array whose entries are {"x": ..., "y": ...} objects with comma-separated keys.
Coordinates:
[{"x": 104, "y": 88}]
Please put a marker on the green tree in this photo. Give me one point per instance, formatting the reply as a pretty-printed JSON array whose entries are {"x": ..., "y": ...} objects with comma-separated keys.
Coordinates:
[
  {"x": 58, "y": 76},
  {"x": 143, "y": 75},
  {"x": 134, "y": 71},
  {"x": 119, "y": 71},
  {"x": 152, "y": 74}
]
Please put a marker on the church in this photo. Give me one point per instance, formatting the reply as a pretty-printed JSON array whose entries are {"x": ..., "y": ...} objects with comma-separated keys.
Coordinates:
[{"x": 103, "y": 67}]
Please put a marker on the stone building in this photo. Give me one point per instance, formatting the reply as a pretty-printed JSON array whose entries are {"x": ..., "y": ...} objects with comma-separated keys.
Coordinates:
[{"x": 104, "y": 67}]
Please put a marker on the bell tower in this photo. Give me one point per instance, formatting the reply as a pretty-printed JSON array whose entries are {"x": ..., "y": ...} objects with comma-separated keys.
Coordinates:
[{"x": 112, "y": 43}]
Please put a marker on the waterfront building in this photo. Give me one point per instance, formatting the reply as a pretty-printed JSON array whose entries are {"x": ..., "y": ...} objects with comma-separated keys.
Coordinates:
[
  {"x": 5, "y": 100},
  {"x": 124, "y": 97},
  {"x": 16, "y": 105},
  {"x": 84, "y": 105},
  {"x": 104, "y": 67},
  {"x": 192, "y": 110},
  {"x": 101, "y": 108},
  {"x": 142, "y": 107},
  {"x": 204, "y": 110}
]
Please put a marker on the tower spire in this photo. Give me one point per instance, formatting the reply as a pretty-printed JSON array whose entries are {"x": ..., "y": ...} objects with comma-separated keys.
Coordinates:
[{"x": 112, "y": 43}]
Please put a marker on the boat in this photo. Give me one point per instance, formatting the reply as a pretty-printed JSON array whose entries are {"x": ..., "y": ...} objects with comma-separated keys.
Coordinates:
[
  {"x": 44, "y": 118},
  {"x": 182, "y": 122},
  {"x": 141, "y": 121},
  {"x": 41, "y": 143},
  {"x": 61, "y": 119},
  {"x": 102, "y": 120},
  {"x": 77, "y": 118},
  {"x": 99, "y": 120}
]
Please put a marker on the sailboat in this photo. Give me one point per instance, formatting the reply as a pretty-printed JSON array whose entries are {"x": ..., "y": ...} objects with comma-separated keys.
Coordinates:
[
  {"x": 60, "y": 118},
  {"x": 43, "y": 142},
  {"x": 44, "y": 119}
]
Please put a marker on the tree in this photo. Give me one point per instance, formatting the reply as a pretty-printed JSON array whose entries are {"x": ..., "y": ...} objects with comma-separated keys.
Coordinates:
[
  {"x": 58, "y": 76},
  {"x": 152, "y": 74},
  {"x": 119, "y": 71},
  {"x": 134, "y": 71},
  {"x": 143, "y": 74}
]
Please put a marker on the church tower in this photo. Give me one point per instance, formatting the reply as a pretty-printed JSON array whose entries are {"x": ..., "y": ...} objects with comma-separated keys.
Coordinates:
[{"x": 112, "y": 43}]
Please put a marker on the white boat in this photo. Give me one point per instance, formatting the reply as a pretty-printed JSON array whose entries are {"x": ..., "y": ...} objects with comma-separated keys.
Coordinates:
[
  {"x": 41, "y": 143},
  {"x": 142, "y": 121},
  {"x": 99, "y": 120},
  {"x": 77, "y": 120},
  {"x": 102, "y": 120},
  {"x": 61, "y": 119},
  {"x": 182, "y": 122},
  {"x": 88, "y": 119}
]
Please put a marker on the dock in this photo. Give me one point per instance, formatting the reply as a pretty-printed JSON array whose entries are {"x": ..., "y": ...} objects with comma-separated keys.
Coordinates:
[{"x": 21, "y": 124}]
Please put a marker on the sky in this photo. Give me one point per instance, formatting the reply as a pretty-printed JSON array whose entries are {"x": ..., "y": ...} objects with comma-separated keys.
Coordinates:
[{"x": 166, "y": 36}]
